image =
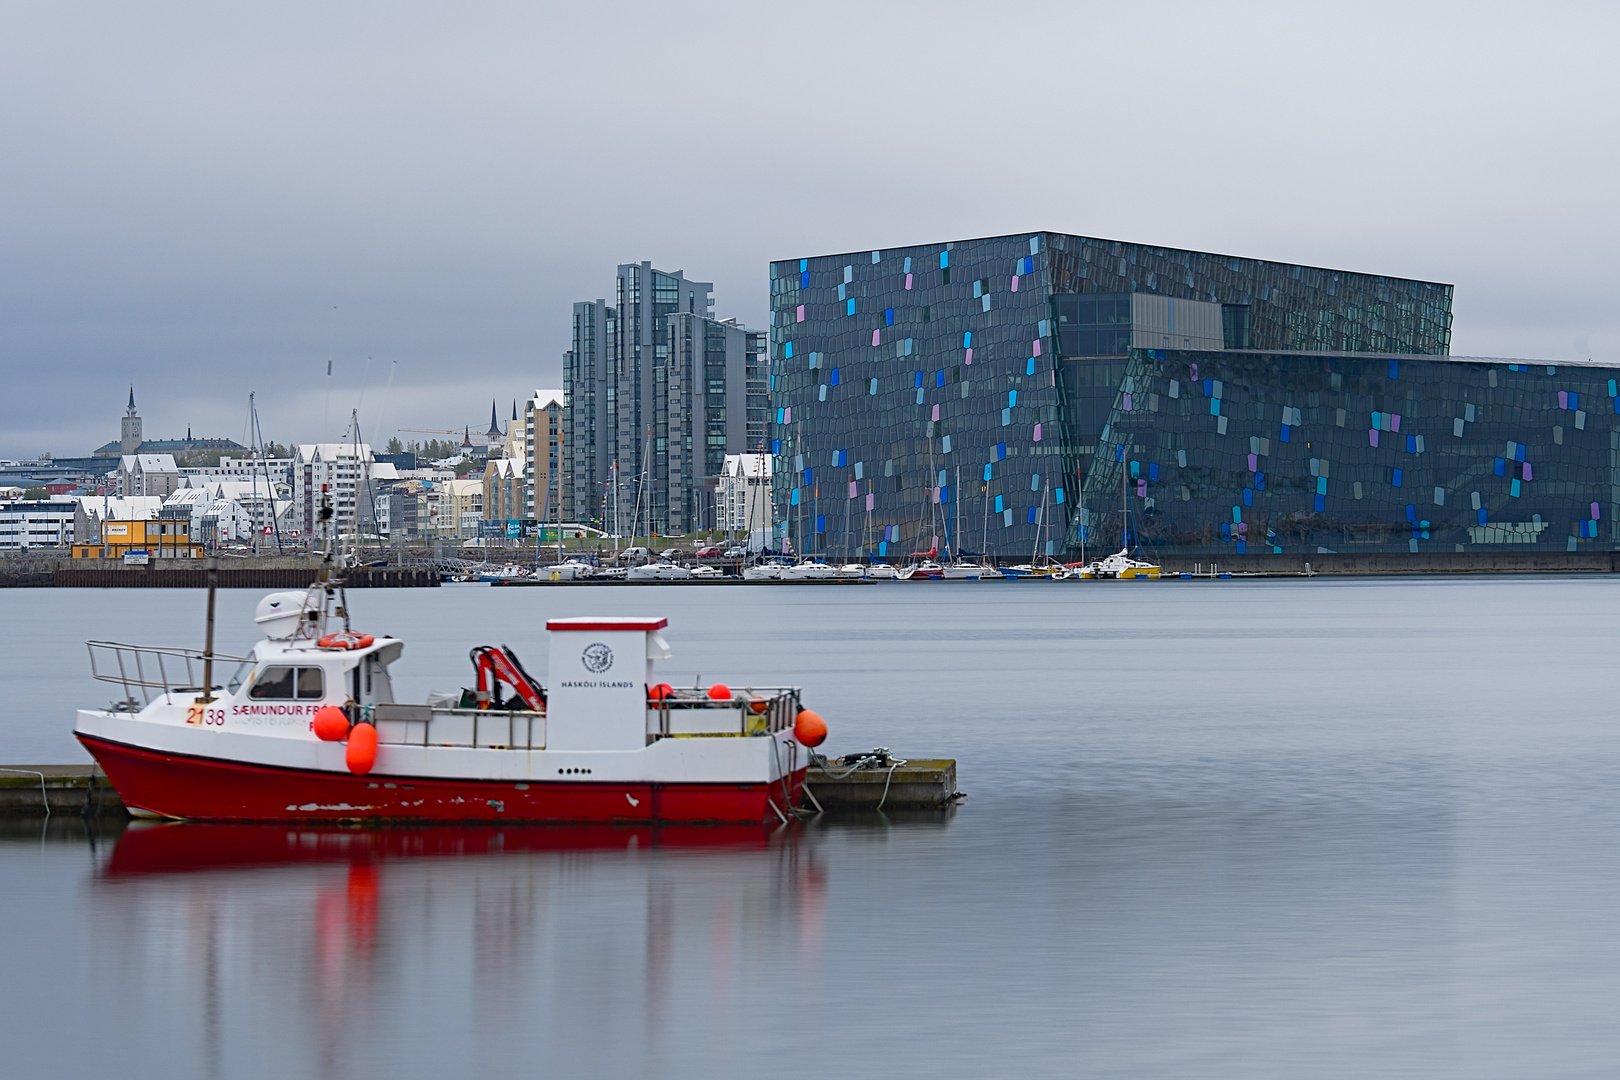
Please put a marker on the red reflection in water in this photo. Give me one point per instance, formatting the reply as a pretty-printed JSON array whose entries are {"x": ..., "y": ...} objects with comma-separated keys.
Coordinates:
[{"x": 180, "y": 848}]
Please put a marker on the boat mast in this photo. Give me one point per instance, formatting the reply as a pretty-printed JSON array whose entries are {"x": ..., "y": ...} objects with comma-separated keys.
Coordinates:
[
  {"x": 984, "y": 538},
  {"x": 1080, "y": 495},
  {"x": 958, "y": 513}
]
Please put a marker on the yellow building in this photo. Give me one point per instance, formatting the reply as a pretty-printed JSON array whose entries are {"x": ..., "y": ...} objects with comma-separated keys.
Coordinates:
[{"x": 160, "y": 538}]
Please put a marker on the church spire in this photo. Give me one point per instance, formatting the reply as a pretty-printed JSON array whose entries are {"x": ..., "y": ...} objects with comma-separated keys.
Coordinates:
[
  {"x": 494, "y": 424},
  {"x": 132, "y": 399}
]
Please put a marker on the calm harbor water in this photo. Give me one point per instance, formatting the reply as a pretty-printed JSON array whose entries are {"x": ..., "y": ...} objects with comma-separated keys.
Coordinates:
[{"x": 1214, "y": 829}]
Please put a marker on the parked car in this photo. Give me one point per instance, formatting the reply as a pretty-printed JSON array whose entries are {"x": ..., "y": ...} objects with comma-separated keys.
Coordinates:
[
  {"x": 633, "y": 556},
  {"x": 736, "y": 553},
  {"x": 710, "y": 552},
  {"x": 669, "y": 553}
]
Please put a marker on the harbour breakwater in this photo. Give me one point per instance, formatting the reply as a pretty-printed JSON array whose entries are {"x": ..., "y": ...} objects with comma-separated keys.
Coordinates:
[{"x": 268, "y": 573}]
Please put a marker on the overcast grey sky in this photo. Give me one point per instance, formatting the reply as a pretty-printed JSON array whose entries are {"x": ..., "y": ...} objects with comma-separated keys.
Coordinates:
[{"x": 188, "y": 191}]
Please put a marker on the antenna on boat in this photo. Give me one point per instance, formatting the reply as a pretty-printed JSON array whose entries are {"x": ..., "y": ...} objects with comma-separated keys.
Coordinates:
[{"x": 207, "y": 695}]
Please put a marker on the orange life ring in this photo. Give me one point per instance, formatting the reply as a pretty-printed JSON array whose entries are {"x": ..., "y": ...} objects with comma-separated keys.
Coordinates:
[{"x": 346, "y": 640}]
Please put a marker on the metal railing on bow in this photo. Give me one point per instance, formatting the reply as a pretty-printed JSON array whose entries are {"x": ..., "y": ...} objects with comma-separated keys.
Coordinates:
[{"x": 152, "y": 671}]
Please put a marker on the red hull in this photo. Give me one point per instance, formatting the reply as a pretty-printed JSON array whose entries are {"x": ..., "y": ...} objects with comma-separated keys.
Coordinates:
[{"x": 207, "y": 789}]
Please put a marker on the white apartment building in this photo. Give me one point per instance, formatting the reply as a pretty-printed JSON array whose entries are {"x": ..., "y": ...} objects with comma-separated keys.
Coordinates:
[
  {"x": 343, "y": 469},
  {"x": 42, "y": 523},
  {"x": 743, "y": 496}
]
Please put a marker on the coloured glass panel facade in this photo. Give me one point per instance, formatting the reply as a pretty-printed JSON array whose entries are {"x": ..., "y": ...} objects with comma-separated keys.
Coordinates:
[
  {"x": 918, "y": 394},
  {"x": 1255, "y": 452}
]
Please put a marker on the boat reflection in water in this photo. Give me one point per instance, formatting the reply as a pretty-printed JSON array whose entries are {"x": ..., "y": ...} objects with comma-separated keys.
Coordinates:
[{"x": 600, "y": 949}]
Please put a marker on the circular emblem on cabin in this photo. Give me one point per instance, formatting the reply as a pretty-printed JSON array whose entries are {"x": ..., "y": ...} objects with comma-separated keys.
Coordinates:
[{"x": 597, "y": 658}]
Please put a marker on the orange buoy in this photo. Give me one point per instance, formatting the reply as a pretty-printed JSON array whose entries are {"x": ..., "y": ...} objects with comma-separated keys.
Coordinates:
[
  {"x": 809, "y": 729},
  {"x": 331, "y": 725},
  {"x": 720, "y": 692},
  {"x": 661, "y": 692},
  {"x": 758, "y": 705},
  {"x": 346, "y": 640},
  {"x": 362, "y": 752}
]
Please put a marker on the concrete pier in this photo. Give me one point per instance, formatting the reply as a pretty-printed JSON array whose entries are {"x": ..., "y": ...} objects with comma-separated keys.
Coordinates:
[{"x": 929, "y": 782}]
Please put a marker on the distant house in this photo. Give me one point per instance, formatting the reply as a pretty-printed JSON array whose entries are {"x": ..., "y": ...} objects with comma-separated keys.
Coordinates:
[
  {"x": 147, "y": 474},
  {"x": 504, "y": 494}
]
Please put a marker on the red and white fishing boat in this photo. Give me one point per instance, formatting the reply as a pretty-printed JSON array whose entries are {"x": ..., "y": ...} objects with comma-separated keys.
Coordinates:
[{"x": 308, "y": 729}]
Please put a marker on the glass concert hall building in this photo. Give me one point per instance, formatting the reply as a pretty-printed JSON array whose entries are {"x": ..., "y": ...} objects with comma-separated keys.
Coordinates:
[{"x": 1022, "y": 394}]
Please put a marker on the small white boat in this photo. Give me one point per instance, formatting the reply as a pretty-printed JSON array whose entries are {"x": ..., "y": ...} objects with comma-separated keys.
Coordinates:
[
  {"x": 659, "y": 571},
  {"x": 967, "y": 570},
  {"x": 707, "y": 572},
  {"x": 881, "y": 571},
  {"x": 852, "y": 570},
  {"x": 808, "y": 570},
  {"x": 572, "y": 570},
  {"x": 927, "y": 570},
  {"x": 770, "y": 570},
  {"x": 1118, "y": 566}
]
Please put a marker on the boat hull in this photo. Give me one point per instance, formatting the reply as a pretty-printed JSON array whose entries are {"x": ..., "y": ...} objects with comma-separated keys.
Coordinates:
[{"x": 167, "y": 784}]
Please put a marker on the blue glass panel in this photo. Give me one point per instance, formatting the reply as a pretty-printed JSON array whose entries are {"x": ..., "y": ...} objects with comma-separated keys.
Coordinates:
[
  {"x": 1032, "y": 513},
  {"x": 1283, "y": 434},
  {"x": 1321, "y": 485},
  {"x": 919, "y": 378},
  {"x": 888, "y": 316},
  {"x": 1321, "y": 503},
  {"x": 967, "y": 339},
  {"x": 1012, "y": 399},
  {"x": 1501, "y": 467},
  {"x": 1259, "y": 481},
  {"x": 1001, "y": 451},
  {"x": 1395, "y": 479},
  {"x": 1394, "y": 369},
  {"x": 776, "y": 444},
  {"x": 1411, "y": 512},
  {"x": 1248, "y": 496},
  {"x": 849, "y": 306},
  {"x": 787, "y": 349},
  {"x": 939, "y": 378},
  {"x": 987, "y": 467},
  {"x": 944, "y": 259},
  {"x": 821, "y": 523},
  {"x": 1482, "y": 515},
  {"x": 804, "y": 264},
  {"x": 1411, "y": 444},
  {"x": 1060, "y": 496},
  {"x": 998, "y": 504},
  {"x": 1153, "y": 471},
  {"x": 804, "y": 281},
  {"x": 833, "y": 378},
  {"x": 1030, "y": 368},
  {"x": 1518, "y": 452}
]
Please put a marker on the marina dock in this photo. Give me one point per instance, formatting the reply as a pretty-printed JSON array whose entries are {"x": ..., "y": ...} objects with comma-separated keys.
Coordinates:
[
  {"x": 918, "y": 784},
  {"x": 35, "y": 790}
]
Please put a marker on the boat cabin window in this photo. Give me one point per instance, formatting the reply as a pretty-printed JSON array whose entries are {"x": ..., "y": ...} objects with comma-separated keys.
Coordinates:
[
  {"x": 240, "y": 676},
  {"x": 280, "y": 684}
]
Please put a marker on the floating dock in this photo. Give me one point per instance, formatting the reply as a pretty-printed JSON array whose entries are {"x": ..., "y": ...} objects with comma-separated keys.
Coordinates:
[
  {"x": 918, "y": 784},
  {"x": 38, "y": 790}
]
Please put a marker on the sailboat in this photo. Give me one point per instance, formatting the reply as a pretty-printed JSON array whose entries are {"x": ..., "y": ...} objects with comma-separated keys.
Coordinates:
[
  {"x": 1040, "y": 566},
  {"x": 1120, "y": 565},
  {"x": 963, "y": 568}
]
